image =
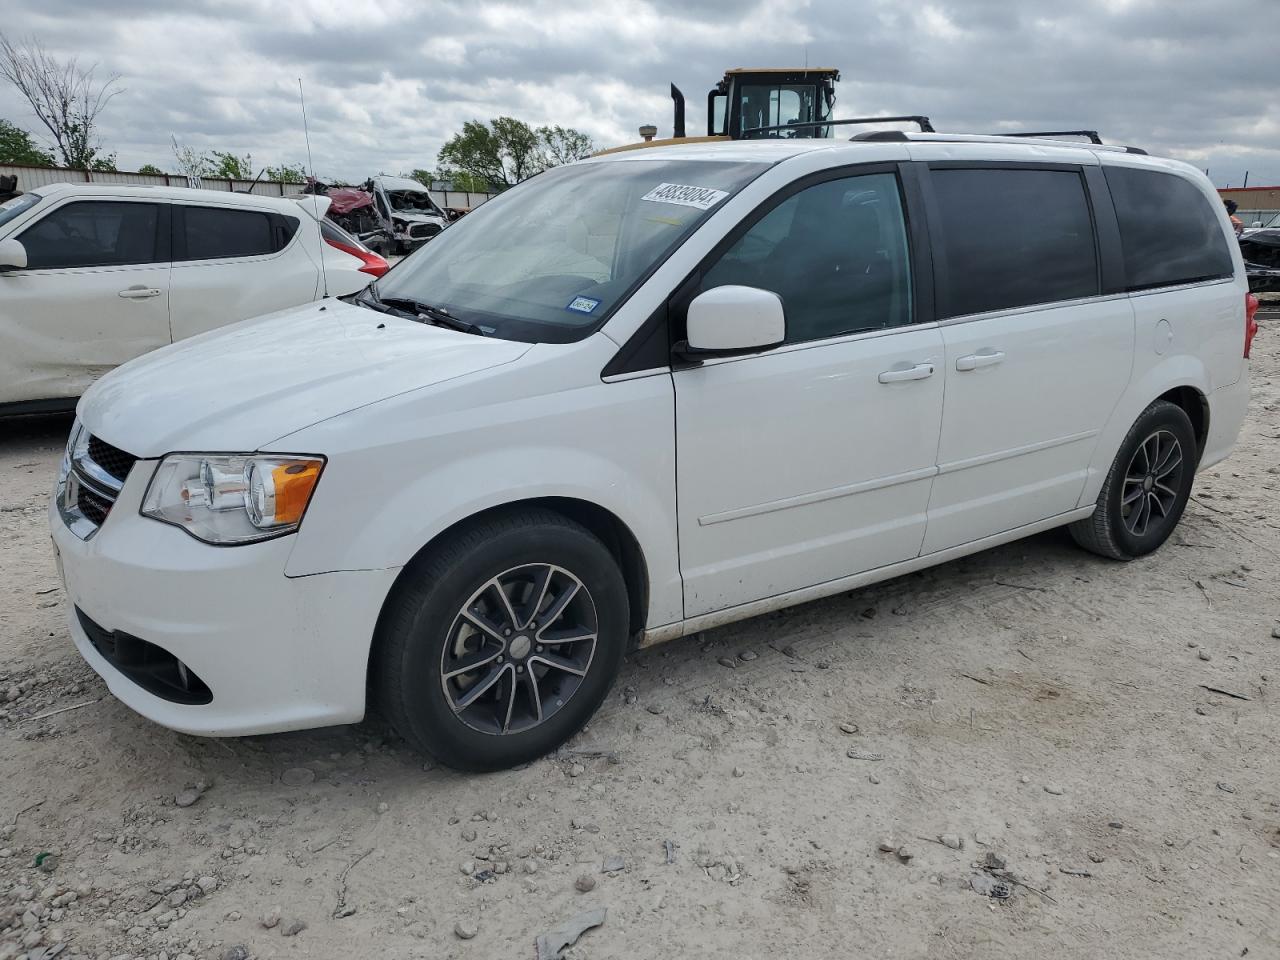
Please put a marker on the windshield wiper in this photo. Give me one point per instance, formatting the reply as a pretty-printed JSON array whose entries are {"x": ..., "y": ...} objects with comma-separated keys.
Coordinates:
[{"x": 425, "y": 311}]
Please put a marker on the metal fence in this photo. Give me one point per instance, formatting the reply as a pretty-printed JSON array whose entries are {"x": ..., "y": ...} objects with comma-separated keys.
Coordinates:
[{"x": 33, "y": 178}]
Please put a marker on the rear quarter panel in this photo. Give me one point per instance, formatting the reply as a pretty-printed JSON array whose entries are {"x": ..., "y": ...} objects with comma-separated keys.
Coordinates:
[{"x": 1187, "y": 336}]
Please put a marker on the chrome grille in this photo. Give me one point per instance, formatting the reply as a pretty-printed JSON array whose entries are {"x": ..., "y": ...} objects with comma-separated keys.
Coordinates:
[
  {"x": 111, "y": 459},
  {"x": 92, "y": 476}
]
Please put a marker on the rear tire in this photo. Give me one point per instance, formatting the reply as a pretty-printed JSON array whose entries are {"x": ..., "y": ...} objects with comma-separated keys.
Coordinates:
[
  {"x": 502, "y": 641},
  {"x": 1147, "y": 487}
]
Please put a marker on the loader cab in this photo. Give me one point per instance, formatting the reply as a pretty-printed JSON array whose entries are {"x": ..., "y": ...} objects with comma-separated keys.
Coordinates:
[{"x": 781, "y": 103}]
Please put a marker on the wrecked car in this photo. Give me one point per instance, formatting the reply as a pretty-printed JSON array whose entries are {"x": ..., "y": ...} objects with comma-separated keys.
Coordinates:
[
  {"x": 1261, "y": 251},
  {"x": 407, "y": 207},
  {"x": 387, "y": 214}
]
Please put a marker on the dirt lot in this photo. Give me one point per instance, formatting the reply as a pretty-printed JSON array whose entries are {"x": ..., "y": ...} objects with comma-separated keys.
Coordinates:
[{"x": 1033, "y": 703}]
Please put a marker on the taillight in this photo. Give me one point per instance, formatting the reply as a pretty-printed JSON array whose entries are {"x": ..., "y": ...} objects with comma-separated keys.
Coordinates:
[
  {"x": 1250, "y": 322},
  {"x": 370, "y": 262}
]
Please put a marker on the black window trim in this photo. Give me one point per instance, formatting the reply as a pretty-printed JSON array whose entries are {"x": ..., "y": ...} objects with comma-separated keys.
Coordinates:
[
  {"x": 1106, "y": 266},
  {"x": 163, "y": 248},
  {"x": 640, "y": 354},
  {"x": 178, "y": 231}
]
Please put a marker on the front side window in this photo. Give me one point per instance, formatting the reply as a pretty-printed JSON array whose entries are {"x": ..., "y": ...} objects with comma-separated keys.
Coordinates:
[
  {"x": 548, "y": 260},
  {"x": 216, "y": 233},
  {"x": 1168, "y": 231},
  {"x": 836, "y": 253},
  {"x": 93, "y": 233},
  {"x": 1013, "y": 238}
]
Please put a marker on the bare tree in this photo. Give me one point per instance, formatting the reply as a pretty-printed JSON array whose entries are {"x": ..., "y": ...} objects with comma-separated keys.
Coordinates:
[
  {"x": 66, "y": 97},
  {"x": 192, "y": 164}
]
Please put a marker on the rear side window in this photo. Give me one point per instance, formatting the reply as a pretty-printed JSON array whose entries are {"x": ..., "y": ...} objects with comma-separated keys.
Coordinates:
[
  {"x": 1013, "y": 238},
  {"x": 216, "y": 233},
  {"x": 1169, "y": 232},
  {"x": 93, "y": 233}
]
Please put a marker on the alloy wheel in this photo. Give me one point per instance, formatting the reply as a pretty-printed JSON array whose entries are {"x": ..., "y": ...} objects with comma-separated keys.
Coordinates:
[
  {"x": 1151, "y": 483},
  {"x": 519, "y": 649}
]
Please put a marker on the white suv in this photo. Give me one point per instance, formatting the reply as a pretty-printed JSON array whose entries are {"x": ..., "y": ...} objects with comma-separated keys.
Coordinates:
[
  {"x": 92, "y": 276},
  {"x": 640, "y": 396}
]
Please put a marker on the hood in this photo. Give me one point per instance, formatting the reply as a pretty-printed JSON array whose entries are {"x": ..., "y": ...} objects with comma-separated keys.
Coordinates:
[{"x": 239, "y": 388}]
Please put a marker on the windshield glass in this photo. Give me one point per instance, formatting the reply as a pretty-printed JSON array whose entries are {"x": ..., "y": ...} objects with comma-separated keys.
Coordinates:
[
  {"x": 776, "y": 105},
  {"x": 412, "y": 201},
  {"x": 548, "y": 260},
  {"x": 12, "y": 208}
]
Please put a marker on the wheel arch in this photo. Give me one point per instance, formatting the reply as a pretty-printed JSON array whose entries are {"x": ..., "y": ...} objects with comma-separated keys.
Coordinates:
[
  {"x": 1196, "y": 406},
  {"x": 1181, "y": 380},
  {"x": 612, "y": 531}
]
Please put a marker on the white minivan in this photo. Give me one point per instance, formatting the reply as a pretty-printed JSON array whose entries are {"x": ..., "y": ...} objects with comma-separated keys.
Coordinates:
[
  {"x": 93, "y": 275},
  {"x": 639, "y": 396}
]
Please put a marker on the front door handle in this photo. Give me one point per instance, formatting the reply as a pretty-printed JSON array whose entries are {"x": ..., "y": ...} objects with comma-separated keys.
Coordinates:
[
  {"x": 983, "y": 358},
  {"x": 921, "y": 371},
  {"x": 140, "y": 293}
]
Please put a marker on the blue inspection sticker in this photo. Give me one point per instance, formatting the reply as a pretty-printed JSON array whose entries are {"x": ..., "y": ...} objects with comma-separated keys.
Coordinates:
[{"x": 582, "y": 305}]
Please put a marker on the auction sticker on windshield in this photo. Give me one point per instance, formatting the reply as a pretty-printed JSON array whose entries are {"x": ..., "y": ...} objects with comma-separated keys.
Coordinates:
[
  {"x": 583, "y": 304},
  {"x": 704, "y": 198}
]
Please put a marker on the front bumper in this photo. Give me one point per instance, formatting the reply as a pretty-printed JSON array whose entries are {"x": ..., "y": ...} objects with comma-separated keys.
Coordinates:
[{"x": 277, "y": 653}]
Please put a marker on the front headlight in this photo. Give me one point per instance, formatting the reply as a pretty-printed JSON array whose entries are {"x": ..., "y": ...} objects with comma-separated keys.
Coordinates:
[{"x": 228, "y": 499}]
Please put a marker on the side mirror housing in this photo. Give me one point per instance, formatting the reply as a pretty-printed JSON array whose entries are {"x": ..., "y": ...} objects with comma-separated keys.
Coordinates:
[
  {"x": 13, "y": 255},
  {"x": 732, "y": 319}
]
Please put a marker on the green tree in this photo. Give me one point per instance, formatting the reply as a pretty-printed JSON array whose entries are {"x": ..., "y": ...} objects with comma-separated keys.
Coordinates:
[
  {"x": 16, "y": 146},
  {"x": 287, "y": 174},
  {"x": 151, "y": 168},
  {"x": 105, "y": 163},
  {"x": 502, "y": 152},
  {"x": 506, "y": 151},
  {"x": 564, "y": 145},
  {"x": 230, "y": 166},
  {"x": 424, "y": 177}
]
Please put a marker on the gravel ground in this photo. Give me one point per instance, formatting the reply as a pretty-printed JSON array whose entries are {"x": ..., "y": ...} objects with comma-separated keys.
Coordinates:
[{"x": 854, "y": 777}]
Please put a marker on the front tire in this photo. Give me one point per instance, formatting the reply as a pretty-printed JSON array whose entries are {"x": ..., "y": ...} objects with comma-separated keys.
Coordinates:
[
  {"x": 502, "y": 641},
  {"x": 1147, "y": 487}
]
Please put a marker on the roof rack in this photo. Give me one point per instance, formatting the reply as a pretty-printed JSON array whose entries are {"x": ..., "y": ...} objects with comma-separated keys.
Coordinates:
[
  {"x": 925, "y": 125},
  {"x": 901, "y": 137},
  {"x": 1052, "y": 134}
]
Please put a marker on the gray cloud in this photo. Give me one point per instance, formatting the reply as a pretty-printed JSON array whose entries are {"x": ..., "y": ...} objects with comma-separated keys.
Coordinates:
[{"x": 387, "y": 82}]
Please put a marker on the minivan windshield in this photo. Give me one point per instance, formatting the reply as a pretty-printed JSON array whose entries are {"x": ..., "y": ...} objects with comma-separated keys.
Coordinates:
[
  {"x": 548, "y": 260},
  {"x": 15, "y": 206}
]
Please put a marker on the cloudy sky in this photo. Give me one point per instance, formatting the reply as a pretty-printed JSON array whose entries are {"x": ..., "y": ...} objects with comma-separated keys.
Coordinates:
[{"x": 388, "y": 81}]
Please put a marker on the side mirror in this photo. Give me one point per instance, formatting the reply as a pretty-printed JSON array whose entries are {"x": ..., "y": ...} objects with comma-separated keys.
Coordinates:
[
  {"x": 13, "y": 255},
  {"x": 729, "y": 320}
]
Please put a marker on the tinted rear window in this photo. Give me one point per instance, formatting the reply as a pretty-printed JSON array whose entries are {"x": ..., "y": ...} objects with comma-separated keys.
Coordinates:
[
  {"x": 217, "y": 233},
  {"x": 1013, "y": 238},
  {"x": 1169, "y": 232}
]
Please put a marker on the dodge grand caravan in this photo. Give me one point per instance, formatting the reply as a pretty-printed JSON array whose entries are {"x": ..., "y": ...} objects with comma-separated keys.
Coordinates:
[{"x": 639, "y": 396}]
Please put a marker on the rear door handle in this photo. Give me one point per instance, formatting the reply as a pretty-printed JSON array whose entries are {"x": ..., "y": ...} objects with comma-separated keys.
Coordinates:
[
  {"x": 983, "y": 358},
  {"x": 140, "y": 293},
  {"x": 921, "y": 371}
]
